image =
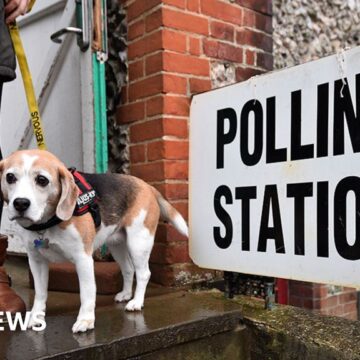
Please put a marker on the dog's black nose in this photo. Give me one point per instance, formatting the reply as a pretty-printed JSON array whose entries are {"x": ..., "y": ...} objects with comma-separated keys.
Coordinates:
[{"x": 21, "y": 204}]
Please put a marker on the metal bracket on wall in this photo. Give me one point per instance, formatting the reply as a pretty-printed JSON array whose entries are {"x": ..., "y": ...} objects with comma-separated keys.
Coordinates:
[{"x": 250, "y": 285}]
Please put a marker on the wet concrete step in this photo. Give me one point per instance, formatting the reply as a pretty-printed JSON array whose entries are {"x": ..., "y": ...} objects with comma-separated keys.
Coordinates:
[
  {"x": 173, "y": 325},
  {"x": 168, "y": 320}
]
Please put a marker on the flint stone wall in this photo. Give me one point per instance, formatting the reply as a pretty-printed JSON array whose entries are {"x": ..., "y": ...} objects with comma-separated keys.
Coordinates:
[{"x": 306, "y": 30}]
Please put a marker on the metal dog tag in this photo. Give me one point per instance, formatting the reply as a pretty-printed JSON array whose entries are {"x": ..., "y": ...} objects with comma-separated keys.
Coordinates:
[{"x": 41, "y": 243}]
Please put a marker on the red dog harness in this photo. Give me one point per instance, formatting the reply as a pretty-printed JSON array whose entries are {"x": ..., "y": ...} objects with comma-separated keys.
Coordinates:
[{"x": 87, "y": 199}]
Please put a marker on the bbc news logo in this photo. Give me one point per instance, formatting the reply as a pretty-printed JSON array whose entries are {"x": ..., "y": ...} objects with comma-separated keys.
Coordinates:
[{"x": 17, "y": 321}]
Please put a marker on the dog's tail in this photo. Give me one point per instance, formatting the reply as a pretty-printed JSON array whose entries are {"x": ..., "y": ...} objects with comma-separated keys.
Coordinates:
[{"x": 170, "y": 214}]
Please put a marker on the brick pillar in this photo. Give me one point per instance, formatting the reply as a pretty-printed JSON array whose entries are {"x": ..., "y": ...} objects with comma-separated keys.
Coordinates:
[
  {"x": 327, "y": 299},
  {"x": 173, "y": 49}
]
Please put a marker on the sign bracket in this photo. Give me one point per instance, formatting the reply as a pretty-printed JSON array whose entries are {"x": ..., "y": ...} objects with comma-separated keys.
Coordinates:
[{"x": 250, "y": 285}]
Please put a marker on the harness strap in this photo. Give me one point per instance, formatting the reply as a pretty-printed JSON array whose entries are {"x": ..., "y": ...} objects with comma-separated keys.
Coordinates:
[{"x": 87, "y": 199}]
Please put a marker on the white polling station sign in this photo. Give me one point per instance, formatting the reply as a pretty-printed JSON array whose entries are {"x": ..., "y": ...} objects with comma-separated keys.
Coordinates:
[{"x": 275, "y": 173}]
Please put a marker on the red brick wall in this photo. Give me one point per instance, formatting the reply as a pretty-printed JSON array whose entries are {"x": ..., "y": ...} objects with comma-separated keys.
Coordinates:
[
  {"x": 328, "y": 300},
  {"x": 172, "y": 45}
]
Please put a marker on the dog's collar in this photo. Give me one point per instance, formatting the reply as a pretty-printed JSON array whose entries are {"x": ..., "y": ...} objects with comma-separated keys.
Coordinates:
[
  {"x": 86, "y": 202},
  {"x": 39, "y": 227}
]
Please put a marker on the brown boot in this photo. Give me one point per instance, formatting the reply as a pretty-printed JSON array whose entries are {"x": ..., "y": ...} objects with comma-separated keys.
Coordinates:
[{"x": 9, "y": 300}]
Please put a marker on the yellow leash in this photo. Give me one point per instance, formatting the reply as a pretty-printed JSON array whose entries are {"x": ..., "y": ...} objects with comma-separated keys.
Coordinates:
[{"x": 28, "y": 86}]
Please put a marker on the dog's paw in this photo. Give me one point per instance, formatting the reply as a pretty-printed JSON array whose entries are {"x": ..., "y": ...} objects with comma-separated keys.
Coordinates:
[
  {"x": 134, "y": 305},
  {"x": 83, "y": 325},
  {"x": 123, "y": 296},
  {"x": 37, "y": 320}
]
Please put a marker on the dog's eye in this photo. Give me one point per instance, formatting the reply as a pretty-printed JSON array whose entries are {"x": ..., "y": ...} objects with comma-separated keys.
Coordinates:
[
  {"x": 10, "y": 178},
  {"x": 41, "y": 180}
]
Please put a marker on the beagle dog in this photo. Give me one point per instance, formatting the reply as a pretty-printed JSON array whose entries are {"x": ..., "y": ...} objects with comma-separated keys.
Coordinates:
[{"x": 37, "y": 187}]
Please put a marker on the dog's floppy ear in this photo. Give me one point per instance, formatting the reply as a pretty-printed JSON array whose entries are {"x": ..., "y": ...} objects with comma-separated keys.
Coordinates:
[{"x": 69, "y": 194}]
